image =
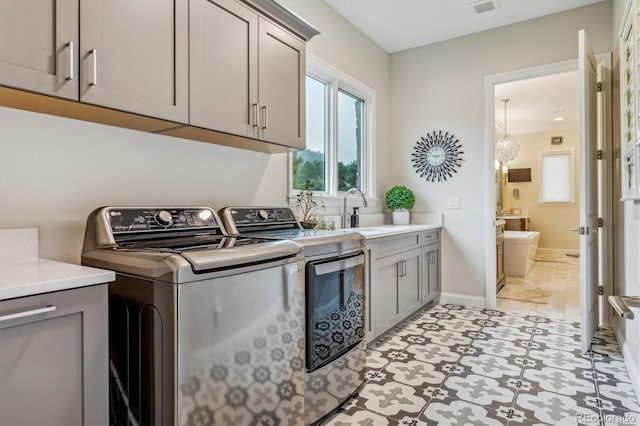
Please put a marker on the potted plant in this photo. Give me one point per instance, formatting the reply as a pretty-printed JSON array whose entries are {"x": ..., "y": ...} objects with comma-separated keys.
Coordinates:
[
  {"x": 307, "y": 206},
  {"x": 400, "y": 200}
]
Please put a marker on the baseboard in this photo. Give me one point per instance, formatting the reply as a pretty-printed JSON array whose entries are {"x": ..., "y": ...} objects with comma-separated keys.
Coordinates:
[
  {"x": 463, "y": 299},
  {"x": 629, "y": 362}
]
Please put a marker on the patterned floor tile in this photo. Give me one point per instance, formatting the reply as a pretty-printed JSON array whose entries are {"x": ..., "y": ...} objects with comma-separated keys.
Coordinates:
[
  {"x": 498, "y": 347},
  {"x": 481, "y": 390},
  {"x": 455, "y": 412},
  {"x": 560, "y": 359},
  {"x": 450, "y": 365},
  {"x": 491, "y": 366},
  {"x": 392, "y": 399}
]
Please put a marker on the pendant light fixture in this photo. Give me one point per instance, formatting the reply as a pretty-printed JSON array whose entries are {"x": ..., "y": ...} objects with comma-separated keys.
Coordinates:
[{"x": 506, "y": 147}]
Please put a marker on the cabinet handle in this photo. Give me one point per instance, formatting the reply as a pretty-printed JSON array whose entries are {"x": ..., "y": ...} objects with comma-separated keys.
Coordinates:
[
  {"x": 70, "y": 46},
  {"x": 94, "y": 74},
  {"x": 265, "y": 117},
  {"x": 44, "y": 310},
  {"x": 255, "y": 114}
]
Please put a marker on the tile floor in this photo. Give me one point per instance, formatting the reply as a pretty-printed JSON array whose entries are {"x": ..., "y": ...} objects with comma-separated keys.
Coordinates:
[
  {"x": 560, "y": 275},
  {"x": 451, "y": 365}
]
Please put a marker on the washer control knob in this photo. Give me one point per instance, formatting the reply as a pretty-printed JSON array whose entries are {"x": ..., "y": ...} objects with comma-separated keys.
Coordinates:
[
  {"x": 164, "y": 218},
  {"x": 262, "y": 214}
]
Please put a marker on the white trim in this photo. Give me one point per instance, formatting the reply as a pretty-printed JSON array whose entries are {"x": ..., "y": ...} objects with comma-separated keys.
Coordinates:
[
  {"x": 462, "y": 299},
  {"x": 337, "y": 80},
  {"x": 489, "y": 154},
  {"x": 489, "y": 170},
  {"x": 629, "y": 361}
]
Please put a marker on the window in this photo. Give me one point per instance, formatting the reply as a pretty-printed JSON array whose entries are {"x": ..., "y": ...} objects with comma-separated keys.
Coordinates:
[
  {"x": 339, "y": 134},
  {"x": 556, "y": 177}
]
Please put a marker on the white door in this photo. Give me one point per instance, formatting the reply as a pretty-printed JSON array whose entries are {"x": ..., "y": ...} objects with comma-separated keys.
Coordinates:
[{"x": 587, "y": 67}]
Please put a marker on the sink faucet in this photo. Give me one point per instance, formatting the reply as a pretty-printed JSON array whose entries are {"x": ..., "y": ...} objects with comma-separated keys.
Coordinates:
[{"x": 344, "y": 203}]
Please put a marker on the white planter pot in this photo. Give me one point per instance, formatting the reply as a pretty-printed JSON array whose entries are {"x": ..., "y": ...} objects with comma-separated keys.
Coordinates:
[{"x": 400, "y": 217}]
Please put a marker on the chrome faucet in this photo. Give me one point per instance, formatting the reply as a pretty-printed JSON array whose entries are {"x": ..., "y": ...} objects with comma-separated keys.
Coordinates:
[{"x": 344, "y": 203}]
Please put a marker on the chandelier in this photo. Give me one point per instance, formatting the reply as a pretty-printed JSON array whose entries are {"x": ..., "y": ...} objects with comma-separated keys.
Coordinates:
[{"x": 506, "y": 147}]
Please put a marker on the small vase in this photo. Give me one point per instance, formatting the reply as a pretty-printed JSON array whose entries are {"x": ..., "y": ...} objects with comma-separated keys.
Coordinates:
[
  {"x": 308, "y": 225},
  {"x": 400, "y": 217}
]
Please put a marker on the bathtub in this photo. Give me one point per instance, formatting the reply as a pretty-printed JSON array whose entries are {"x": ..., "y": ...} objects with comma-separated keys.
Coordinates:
[{"x": 519, "y": 249}]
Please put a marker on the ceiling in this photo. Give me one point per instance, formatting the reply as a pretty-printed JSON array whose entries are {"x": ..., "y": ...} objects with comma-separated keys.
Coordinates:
[
  {"x": 534, "y": 103},
  {"x": 403, "y": 24}
]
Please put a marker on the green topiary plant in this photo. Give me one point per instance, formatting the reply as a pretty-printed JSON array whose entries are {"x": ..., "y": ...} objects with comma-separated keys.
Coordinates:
[{"x": 400, "y": 197}]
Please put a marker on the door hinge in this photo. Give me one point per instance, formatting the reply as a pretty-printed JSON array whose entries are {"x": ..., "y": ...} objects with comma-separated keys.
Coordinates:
[
  {"x": 599, "y": 86},
  {"x": 600, "y": 154},
  {"x": 600, "y": 222},
  {"x": 583, "y": 230},
  {"x": 600, "y": 290}
]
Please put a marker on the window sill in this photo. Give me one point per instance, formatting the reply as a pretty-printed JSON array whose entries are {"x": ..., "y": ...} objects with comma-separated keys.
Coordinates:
[{"x": 332, "y": 202}]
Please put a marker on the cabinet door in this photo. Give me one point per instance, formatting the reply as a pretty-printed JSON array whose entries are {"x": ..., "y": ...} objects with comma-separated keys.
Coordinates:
[
  {"x": 409, "y": 282},
  {"x": 384, "y": 291},
  {"x": 281, "y": 85},
  {"x": 39, "y": 48},
  {"x": 430, "y": 272},
  {"x": 54, "y": 358},
  {"x": 134, "y": 56},
  {"x": 223, "y": 59}
]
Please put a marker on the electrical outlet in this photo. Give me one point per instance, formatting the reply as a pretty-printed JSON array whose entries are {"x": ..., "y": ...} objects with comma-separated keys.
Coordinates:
[{"x": 454, "y": 202}]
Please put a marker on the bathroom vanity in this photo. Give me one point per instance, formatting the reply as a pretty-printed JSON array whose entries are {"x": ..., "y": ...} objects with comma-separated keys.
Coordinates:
[{"x": 516, "y": 223}]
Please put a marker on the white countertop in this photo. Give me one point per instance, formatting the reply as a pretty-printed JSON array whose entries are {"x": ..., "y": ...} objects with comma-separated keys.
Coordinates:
[
  {"x": 370, "y": 232},
  {"x": 29, "y": 276}
]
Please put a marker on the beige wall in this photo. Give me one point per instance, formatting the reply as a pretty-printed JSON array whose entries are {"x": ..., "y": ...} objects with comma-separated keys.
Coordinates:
[
  {"x": 554, "y": 222},
  {"x": 441, "y": 87},
  {"x": 54, "y": 171}
]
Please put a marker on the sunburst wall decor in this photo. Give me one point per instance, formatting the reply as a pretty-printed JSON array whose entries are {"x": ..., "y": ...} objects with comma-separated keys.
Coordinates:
[{"x": 437, "y": 156}]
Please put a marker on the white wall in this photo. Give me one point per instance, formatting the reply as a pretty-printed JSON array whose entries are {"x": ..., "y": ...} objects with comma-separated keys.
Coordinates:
[
  {"x": 54, "y": 171},
  {"x": 441, "y": 87}
]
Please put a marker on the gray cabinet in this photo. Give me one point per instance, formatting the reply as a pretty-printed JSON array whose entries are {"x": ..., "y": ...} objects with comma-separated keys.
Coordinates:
[
  {"x": 39, "y": 46},
  {"x": 394, "y": 281},
  {"x": 246, "y": 74},
  {"x": 281, "y": 86},
  {"x": 430, "y": 281},
  {"x": 134, "y": 56},
  {"x": 54, "y": 358}
]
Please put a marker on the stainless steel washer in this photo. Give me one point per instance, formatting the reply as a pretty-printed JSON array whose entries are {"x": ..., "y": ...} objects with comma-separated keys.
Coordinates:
[
  {"x": 335, "y": 302},
  {"x": 204, "y": 328}
]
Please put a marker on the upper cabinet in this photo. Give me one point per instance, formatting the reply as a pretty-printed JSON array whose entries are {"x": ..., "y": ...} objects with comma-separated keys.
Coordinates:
[
  {"x": 246, "y": 74},
  {"x": 281, "y": 86},
  {"x": 223, "y": 41},
  {"x": 39, "y": 46},
  {"x": 230, "y": 72},
  {"x": 134, "y": 56}
]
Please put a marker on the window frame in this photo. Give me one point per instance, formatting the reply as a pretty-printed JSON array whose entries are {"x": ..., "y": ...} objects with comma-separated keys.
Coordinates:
[
  {"x": 572, "y": 177},
  {"x": 335, "y": 81}
]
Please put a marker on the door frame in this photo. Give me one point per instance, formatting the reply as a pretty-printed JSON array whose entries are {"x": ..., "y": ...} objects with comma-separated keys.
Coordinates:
[{"x": 490, "y": 82}]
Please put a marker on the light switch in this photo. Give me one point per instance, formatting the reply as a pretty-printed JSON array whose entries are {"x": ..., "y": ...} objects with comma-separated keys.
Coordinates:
[{"x": 454, "y": 202}]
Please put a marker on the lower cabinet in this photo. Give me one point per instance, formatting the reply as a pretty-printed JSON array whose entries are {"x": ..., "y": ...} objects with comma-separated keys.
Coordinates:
[
  {"x": 54, "y": 358},
  {"x": 404, "y": 275},
  {"x": 430, "y": 272},
  {"x": 396, "y": 288}
]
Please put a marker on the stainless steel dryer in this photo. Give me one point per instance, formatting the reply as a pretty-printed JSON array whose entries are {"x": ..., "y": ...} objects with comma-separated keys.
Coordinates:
[
  {"x": 204, "y": 328},
  {"x": 335, "y": 302}
]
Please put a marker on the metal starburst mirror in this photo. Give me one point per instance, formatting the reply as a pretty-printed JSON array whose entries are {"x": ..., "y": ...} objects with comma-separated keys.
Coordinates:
[{"x": 437, "y": 156}]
